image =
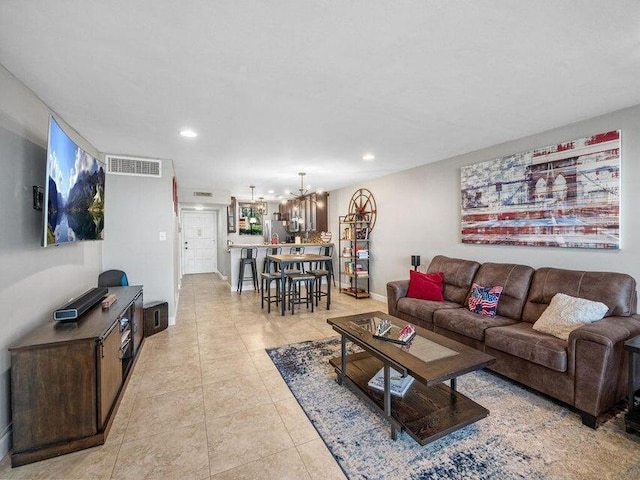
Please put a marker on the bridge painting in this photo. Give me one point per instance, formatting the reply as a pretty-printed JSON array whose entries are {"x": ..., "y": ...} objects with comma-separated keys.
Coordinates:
[{"x": 565, "y": 195}]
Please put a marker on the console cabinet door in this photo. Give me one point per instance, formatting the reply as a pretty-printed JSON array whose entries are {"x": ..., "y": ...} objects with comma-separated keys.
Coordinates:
[
  {"x": 109, "y": 372},
  {"x": 137, "y": 323},
  {"x": 53, "y": 394}
]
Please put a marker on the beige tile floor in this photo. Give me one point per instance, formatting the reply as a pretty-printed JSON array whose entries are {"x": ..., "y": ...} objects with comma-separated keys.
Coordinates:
[{"x": 206, "y": 402}]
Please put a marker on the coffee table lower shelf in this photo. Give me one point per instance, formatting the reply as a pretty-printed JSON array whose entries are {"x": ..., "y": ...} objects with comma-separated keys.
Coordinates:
[{"x": 425, "y": 413}]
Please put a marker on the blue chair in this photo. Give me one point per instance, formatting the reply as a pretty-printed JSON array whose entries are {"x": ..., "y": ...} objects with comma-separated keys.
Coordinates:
[{"x": 113, "y": 278}]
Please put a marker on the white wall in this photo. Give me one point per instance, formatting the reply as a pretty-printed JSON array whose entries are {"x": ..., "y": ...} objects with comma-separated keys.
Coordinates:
[
  {"x": 419, "y": 210},
  {"x": 137, "y": 211},
  {"x": 34, "y": 281},
  {"x": 190, "y": 196}
]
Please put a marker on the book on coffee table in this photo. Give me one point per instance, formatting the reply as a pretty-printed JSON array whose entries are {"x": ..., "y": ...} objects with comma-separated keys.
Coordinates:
[
  {"x": 402, "y": 337},
  {"x": 398, "y": 384}
]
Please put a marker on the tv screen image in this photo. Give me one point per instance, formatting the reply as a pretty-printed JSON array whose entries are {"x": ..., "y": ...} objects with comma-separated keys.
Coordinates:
[{"x": 74, "y": 192}]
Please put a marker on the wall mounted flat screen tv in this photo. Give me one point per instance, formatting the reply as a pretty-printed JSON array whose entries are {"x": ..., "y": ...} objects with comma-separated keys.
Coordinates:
[{"x": 74, "y": 192}]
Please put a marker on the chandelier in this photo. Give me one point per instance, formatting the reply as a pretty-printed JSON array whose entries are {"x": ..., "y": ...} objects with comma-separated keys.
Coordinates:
[
  {"x": 259, "y": 208},
  {"x": 302, "y": 191}
]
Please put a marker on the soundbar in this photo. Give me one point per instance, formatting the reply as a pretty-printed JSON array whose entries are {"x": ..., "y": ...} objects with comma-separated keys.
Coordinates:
[{"x": 76, "y": 308}]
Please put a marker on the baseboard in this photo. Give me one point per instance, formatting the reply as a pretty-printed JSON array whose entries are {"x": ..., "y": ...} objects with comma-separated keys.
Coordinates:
[
  {"x": 5, "y": 441},
  {"x": 172, "y": 318},
  {"x": 380, "y": 298},
  {"x": 374, "y": 296}
]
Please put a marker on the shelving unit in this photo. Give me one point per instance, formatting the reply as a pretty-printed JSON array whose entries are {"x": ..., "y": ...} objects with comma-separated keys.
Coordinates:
[{"x": 354, "y": 254}]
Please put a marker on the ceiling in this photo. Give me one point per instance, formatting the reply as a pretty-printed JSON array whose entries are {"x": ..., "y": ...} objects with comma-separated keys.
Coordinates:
[{"x": 277, "y": 87}]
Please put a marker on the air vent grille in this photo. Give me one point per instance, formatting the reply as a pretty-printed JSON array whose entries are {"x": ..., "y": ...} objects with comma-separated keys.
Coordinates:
[
  {"x": 202, "y": 194},
  {"x": 141, "y": 167}
]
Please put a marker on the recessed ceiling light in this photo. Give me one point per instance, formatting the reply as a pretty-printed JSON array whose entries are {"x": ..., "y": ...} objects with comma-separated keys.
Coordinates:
[
  {"x": 187, "y": 132},
  {"x": 368, "y": 157},
  {"x": 199, "y": 207},
  {"x": 271, "y": 192}
]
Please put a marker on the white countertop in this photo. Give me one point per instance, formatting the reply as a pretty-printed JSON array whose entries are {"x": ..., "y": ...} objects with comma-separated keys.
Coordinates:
[{"x": 265, "y": 245}]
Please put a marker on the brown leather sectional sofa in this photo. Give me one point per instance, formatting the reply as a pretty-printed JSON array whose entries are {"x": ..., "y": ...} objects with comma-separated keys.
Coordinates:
[{"x": 587, "y": 372}]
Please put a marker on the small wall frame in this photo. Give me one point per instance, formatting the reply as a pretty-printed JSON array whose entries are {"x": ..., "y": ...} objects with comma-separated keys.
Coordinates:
[{"x": 232, "y": 210}]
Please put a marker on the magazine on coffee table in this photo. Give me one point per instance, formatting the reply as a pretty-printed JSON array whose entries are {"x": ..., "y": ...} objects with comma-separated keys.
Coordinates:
[{"x": 398, "y": 385}]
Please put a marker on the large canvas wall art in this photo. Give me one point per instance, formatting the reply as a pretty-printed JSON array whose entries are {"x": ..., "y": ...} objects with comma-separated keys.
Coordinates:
[{"x": 565, "y": 195}]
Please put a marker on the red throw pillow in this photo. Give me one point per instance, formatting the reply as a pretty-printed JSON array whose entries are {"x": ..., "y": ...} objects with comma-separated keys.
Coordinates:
[{"x": 425, "y": 286}]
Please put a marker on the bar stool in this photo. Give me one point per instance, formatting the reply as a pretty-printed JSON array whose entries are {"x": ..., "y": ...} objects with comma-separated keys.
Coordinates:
[
  {"x": 248, "y": 257},
  {"x": 295, "y": 290},
  {"x": 270, "y": 273},
  {"x": 297, "y": 267},
  {"x": 294, "y": 268},
  {"x": 320, "y": 270},
  {"x": 266, "y": 266}
]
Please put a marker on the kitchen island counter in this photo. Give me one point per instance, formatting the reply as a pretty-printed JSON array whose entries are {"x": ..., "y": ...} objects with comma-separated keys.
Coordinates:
[{"x": 283, "y": 245}]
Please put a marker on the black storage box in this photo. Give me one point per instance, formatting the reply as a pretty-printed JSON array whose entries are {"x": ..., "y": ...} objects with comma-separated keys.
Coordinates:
[{"x": 156, "y": 317}]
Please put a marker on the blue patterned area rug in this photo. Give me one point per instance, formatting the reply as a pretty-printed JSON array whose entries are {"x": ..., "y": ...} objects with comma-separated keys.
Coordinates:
[{"x": 526, "y": 436}]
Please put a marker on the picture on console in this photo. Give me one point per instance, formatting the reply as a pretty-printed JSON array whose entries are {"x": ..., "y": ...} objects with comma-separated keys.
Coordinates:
[
  {"x": 564, "y": 195},
  {"x": 74, "y": 204}
]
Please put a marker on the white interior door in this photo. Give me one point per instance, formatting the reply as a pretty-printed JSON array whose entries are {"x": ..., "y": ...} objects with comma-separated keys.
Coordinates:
[{"x": 199, "y": 249}]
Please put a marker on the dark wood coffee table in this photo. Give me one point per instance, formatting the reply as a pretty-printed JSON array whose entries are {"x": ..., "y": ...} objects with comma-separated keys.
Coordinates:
[{"x": 430, "y": 409}]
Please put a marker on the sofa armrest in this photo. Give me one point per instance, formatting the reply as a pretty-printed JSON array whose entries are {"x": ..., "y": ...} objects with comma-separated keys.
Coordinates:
[
  {"x": 607, "y": 331},
  {"x": 600, "y": 362},
  {"x": 395, "y": 291}
]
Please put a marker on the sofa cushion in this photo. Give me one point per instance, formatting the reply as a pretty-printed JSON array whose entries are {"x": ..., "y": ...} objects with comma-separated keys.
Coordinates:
[
  {"x": 422, "y": 309},
  {"x": 484, "y": 300},
  {"x": 521, "y": 340},
  {"x": 616, "y": 290},
  {"x": 426, "y": 286},
  {"x": 565, "y": 313},
  {"x": 458, "y": 275},
  {"x": 467, "y": 323}
]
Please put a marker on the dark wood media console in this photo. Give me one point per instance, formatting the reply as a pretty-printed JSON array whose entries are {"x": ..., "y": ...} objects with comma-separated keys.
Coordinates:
[{"x": 67, "y": 379}]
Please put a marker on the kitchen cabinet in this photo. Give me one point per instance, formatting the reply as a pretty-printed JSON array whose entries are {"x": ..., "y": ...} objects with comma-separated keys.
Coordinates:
[{"x": 307, "y": 213}]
